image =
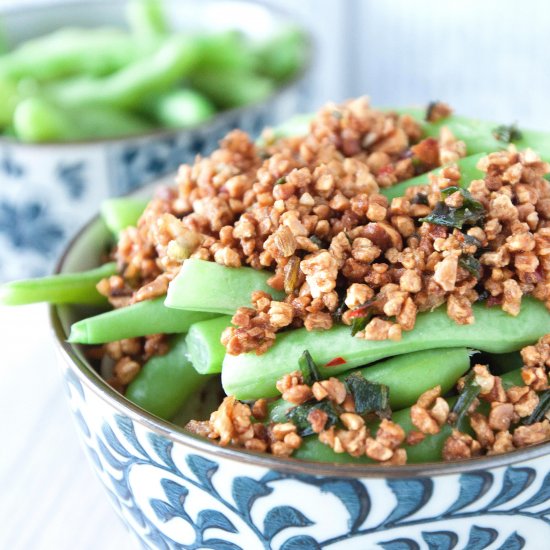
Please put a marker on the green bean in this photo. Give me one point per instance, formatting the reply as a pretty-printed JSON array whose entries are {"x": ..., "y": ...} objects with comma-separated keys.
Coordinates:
[
  {"x": 468, "y": 173},
  {"x": 281, "y": 56},
  {"x": 228, "y": 89},
  {"x": 147, "y": 19},
  {"x": 208, "y": 286},
  {"x": 479, "y": 135},
  {"x": 298, "y": 125},
  {"x": 165, "y": 382},
  {"x": 127, "y": 87},
  {"x": 494, "y": 331},
  {"x": 407, "y": 376},
  {"x": 9, "y": 96},
  {"x": 70, "y": 51},
  {"x": 65, "y": 288},
  {"x": 505, "y": 362},
  {"x": 203, "y": 342},
  {"x": 37, "y": 120},
  {"x": 429, "y": 450},
  {"x": 122, "y": 212},
  {"x": 181, "y": 108},
  {"x": 224, "y": 51},
  {"x": 141, "y": 319}
]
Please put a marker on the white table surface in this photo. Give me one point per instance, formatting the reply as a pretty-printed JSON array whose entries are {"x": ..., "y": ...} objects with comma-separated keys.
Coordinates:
[{"x": 49, "y": 496}]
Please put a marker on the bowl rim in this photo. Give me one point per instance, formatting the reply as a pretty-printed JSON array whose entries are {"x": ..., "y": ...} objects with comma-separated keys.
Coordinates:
[
  {"x": 165, "y": 133},
  {"x": 290, "y": 465}
]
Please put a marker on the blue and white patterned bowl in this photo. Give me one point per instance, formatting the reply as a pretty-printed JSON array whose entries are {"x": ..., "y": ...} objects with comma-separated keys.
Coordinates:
[
  {"x": 48, "y": 191},
  {"x": 177, "y": 491}
]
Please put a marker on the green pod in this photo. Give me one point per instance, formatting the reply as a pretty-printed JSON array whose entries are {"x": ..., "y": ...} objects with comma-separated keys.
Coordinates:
[
  {"x": 141, "y": 319},
  {"x": 122, "y": 212},
  {"x": 407, "y": 376},
  {"x": 206, "y": 352},
  {"x": 65, "y": 288},
  {"x": 165, "y": 382},
  {"x": 494, "y": 331},
  {"x": 208, "y": 286}
]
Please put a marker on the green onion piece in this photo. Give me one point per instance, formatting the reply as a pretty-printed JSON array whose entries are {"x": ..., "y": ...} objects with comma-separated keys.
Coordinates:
[
  {"x": 309, "y": 369},
  {"x": 467, "y": 396},
  {"x": 540, "y": 410}
]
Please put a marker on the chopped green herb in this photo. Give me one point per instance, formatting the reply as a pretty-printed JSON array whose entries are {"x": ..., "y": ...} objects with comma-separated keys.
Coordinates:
[
  {"x": 467, "y": 396},
  {"x": 298, "y": 416},
  {"x": 281, "y": 180},
  {"x": 360, "y": 316},
  {"x": 540, "y": 410},
  {"x": 507, "y": 134},
  {"x": 469, "y": 240},
  {"x": 369, "y": 397},
  {"x": 471, "y": 264},
  {"x": 309, "y": 369},
  {"x": 470, "y": 213}
]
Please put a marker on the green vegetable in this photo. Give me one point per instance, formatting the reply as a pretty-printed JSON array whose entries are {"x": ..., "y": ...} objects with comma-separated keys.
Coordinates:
[
  {"x": 479, "y": 135},
  {"x": 505, "y": 362},
  {"x": 9, "y": 97},
  {"x": 468, "y": 172},
  {"x": 224, "y": 51},
  {"x": 122, "y": 212},
  {"x": 299, "y": 416},
  {"x": 494, "y": 331},
  {"x": 169, "y": 63},
  {"x": 141, "y": 319},
  {"x": 65, "y": 288},
  {"x": 147, "y": 19},
  {"x": 165, "y": 382},
  {"x": 281, "y": 56},
  {"x": 467, "y": 396},
  {"x": 229, "y": 89},
  {"x": 541, "y": 409},
  {"x": 471, "y": 212},
  {"x": 208, "y": 286},
  {"x": 70, "y": 51},
  {"x": 180, "y": 108},
  {"x": 38, "y": 120},
  {"x": 507, "y": 134},
  {"x": 429, "y": 450},
  {"x": 310, "y": 372},
  {"x": 206, "y": 352},
  {"x": 407, "y": 376}
]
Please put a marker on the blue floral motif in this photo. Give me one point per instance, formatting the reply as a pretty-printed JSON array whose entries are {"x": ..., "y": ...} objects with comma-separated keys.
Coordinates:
[
  {"x": 28, "y": 226},
  {"x": 408, "y": 525},
  {"x": 10, "y": 167},
  {"x": 71, "y": 176}
]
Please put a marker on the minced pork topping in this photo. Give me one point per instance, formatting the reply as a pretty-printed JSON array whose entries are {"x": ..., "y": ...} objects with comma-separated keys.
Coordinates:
[{"x": 309, "y": 210}]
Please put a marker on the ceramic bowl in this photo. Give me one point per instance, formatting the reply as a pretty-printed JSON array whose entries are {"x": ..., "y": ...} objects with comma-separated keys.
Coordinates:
[
  {"x": 48, "y": 191},
  {"x": 175, "y": 490}
]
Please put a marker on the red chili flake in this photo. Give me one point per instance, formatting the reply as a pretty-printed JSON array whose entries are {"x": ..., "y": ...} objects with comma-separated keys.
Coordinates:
[
  {"x": 336, "y": 361},
  {"x": 360, "y": 311},
  {"x": 386, "y": 170}
]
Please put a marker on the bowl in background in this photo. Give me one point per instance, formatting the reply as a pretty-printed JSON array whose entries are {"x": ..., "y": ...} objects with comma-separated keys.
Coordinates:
[
  {"x": 176, "y": 490},
  {"x": 47, "y": 191}
]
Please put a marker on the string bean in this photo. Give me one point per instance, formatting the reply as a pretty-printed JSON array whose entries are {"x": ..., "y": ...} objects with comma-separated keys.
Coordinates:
[
  {"x": 141, "y": 319},
  {"x": 122, "y": 212},
  {"x": 208, "y": 286},
  {"x": 407, "y": 376},
  {"x": 203, "y": 343},
  {"x": 165, "y": 382},
  {"x": 493, "y": 331},
  {"x": 66, "y": 288}
]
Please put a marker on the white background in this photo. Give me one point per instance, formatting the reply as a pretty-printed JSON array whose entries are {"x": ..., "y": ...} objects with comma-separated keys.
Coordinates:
[{"x": 486, "y": 57}]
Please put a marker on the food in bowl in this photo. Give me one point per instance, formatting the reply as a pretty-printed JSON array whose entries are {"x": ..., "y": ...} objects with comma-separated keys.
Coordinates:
[
  {"x": 81, "y": 84},
  {"x": 356, "y": 270}
]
